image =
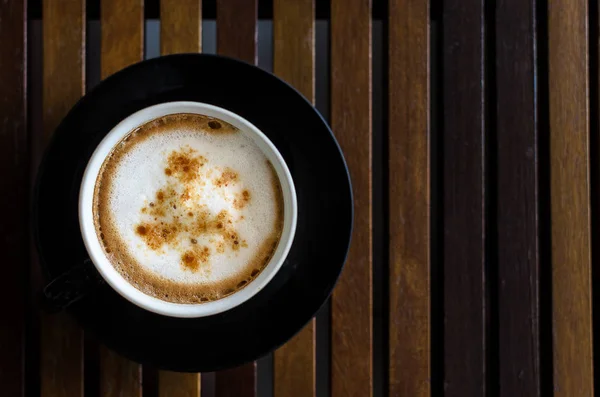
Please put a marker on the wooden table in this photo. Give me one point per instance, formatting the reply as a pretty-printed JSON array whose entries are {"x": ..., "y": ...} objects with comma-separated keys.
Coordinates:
[{"x": 470, "y": 270}]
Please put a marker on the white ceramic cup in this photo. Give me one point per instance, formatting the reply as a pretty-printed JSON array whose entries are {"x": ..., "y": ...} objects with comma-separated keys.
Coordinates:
[{"x": 94, "y": 246}]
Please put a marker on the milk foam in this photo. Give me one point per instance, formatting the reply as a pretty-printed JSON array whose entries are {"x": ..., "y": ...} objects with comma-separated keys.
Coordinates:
[{"x": 148, "y": 191}]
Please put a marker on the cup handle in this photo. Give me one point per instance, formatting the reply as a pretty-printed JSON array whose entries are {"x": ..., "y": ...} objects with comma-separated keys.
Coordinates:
[{"x": 71, "y": 286}]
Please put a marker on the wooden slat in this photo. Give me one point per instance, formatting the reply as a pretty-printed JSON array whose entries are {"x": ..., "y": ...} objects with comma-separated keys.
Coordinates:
[
  {"x": 176, "y": 384},
  {"x": 64, "y": 25},
  {"x": 351, "y": 303},
  {"x": 180, "y": 32},
  {"x": 294, "y": 44},
  {"x": 236, "y": 37},
  {"x": 570, "y": 197},
  {"x": 294, "y": 61},
  {"x": 14, "y": 174},
  {"x": 122, "y": 44},
  {"x": 236, "y": 29},
  {"x": 236, "y": 382},
  {"x": 463, "y": 173},
  {"x": 180, "y": 26},
  {"x": 409, "y": 198},
  {"x": 122, "y": 37},
  {"x": 119, "y": 376},
  {"x": 517, "y": 208}
]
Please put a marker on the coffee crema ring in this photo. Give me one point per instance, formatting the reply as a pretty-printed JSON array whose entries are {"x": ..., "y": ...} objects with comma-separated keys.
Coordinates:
[{"x": 212, "y": 207}]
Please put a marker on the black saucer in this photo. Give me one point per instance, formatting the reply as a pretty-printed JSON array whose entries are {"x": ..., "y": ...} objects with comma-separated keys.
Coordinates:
[{"x": 324, "y": 212}]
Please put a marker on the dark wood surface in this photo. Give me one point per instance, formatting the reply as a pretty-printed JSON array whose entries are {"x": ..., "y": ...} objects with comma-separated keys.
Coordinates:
[
  {"x": 513, "y": 207},
  {"x": 61, "y": 344},
  {"x": 236, "y": 382},
  {"x": 122, "y": 44},
  {"x": 294, "y": 368},
  {"x": 14, "y": 174},
  {"x": 236, "y": 29},
  {"x": 570, "y": 197},
  {"x": 237, "y": 37},
  {"x": 409, "y": 199},
  {"x": 180, "y": 32},
  {"x": 464, "y": 203},
  {"x": 517, "y": 199},
  {"x": 351, "y": 302}
]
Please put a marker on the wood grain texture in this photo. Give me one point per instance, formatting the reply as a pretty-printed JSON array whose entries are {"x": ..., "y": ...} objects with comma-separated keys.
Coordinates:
[
  {"x": 122, "y": 37},
  {"x": 409, "y": 199},
  {"x": 177, "y": 384},
  {"x": 517, "y": 207},
  {"x": 351, "y": 303},
  {"x": 119, "y": 377},
  {"x": 180, "y": 26},
  {"x": 294, "y": 61},
  {"x": 64, "y": 59},
  {"x": 14, "y": 174},
  {"x": 294, "y": 369},
  {"x": 236, "y": 382},
  {"x": 570, "y": 197},
  {"x": 61, "y": 345},
  {"x": 236, "y": 29},
  {"x": 237, "y": 37},
  {"x": 294, "y": 44},
  {"x": 122, "y": 44},
  {"x": 180, "y": 32},
  {"x": 463, "y": 195}
]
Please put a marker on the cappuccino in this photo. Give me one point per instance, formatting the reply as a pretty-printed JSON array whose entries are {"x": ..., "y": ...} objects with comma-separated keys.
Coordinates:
[{"x": 188, "y": 208}]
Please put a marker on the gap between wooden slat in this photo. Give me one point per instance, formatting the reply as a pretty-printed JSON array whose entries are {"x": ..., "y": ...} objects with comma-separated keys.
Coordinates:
[
  {"x": 61, "y": 346},
  {"x": 351, "y": 304},
  {"x": 122, "y": 44},
  {"x": 323, "y": 318},
  {"x": 409, "y": 199},
  {"x": 294, "y": 61},
  {"x": 14, "y": 174},
  {"x": 570, "y": 197},
  {"x": 180, "y": 32}
]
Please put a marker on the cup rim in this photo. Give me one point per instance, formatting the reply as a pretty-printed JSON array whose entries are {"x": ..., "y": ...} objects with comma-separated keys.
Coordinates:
[{"x": 98, "y": 255}]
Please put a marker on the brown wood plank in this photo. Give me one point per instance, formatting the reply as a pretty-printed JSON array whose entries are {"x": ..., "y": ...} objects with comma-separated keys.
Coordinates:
[
  {"x": 180, "y": 26},
  {"x": 409, "y": 198},
  {"x": 122, "y": 37},
  {"x": 61, "y": 345},
  {"x": 119, "y": 376},
  {"x": 14, "y": 174},
  {"x": 122, "y": 44},
  {"x": 236, "y": 37},
  {"x": 236, "y": 29},
  {"x": 463, "y": 172},
  {"x": 294, "y": 44},
  {"x": 180, "y": 32},
  {"x": 236, "y": 382},
  {"x": 177, "y": 384},
  {"x": 294, "y": 61},
  {"x": 517, "y": 207},
  {"x": 570, "y": 197},
  {"x": 351, "y": 303}
]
